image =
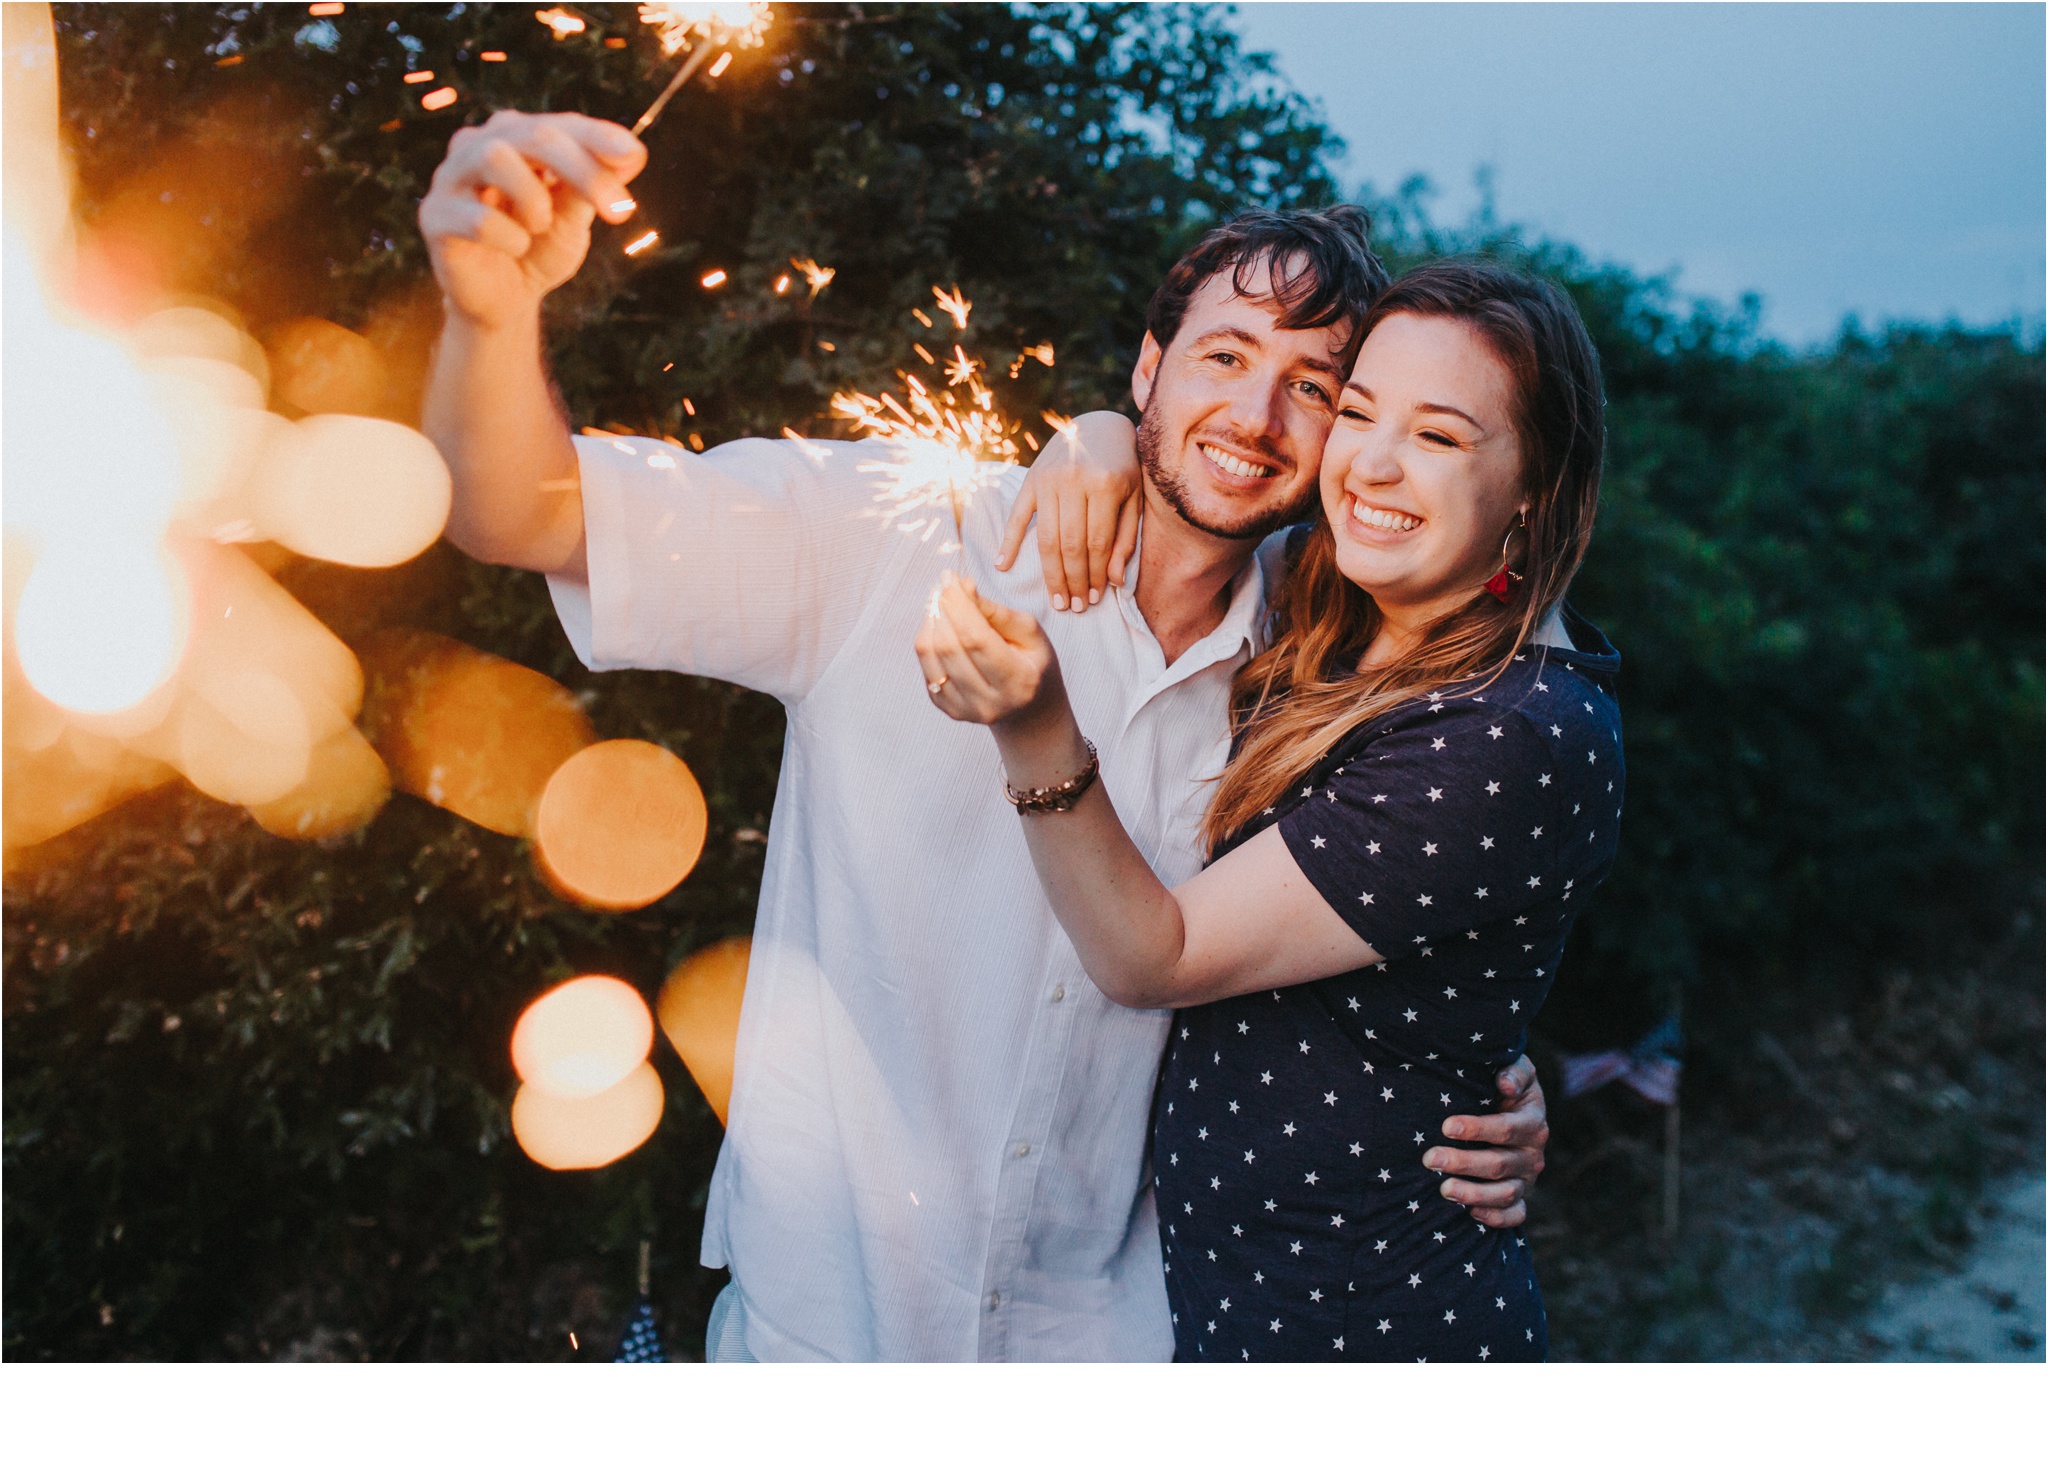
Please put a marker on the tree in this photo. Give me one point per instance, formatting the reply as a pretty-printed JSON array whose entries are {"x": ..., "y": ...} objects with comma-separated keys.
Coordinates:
[{"x": 263, "y": 1108}]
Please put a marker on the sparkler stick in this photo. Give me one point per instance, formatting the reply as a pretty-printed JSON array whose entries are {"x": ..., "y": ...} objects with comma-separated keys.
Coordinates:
[{"x": 705, "y": 26}]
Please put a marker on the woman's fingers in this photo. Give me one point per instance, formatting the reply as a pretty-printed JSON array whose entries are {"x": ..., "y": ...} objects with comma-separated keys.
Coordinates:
[
  {"x": 1074, "y": 553},
  {"x": 1126, "y": 539},
  {"x": 1050, "y": 565},
  {"x": 1019, "y": 524}
]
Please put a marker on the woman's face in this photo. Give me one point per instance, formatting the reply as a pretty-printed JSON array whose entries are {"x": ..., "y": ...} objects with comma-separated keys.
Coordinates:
[{"x": 1422, "y": 476}]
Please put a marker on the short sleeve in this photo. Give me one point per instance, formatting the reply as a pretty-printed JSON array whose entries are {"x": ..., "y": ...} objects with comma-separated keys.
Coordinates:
[
  {"x": 751, "y": 563},
  {"x": 1446, "y": 824}
]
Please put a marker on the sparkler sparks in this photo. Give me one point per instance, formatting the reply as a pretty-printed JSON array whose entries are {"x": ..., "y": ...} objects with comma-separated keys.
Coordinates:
[
  {"x": 705, "y": 26},
  {"x": 954, "y": 305},
  {"x": 561, "y": 22},
  {"x": 815, "y": 275},
  {"x": 950, "y": 444},
  {"x": 644, "y": 242}
]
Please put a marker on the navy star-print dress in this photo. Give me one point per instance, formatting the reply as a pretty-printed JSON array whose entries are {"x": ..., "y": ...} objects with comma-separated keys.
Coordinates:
[{"x": 1459, "y": 835}]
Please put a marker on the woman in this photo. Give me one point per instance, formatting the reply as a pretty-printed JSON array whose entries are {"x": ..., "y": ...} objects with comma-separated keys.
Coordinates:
[{"x": 1425, "y": 785}]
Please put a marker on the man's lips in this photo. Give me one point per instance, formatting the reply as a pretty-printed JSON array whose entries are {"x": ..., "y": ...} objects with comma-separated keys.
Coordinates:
[{"x": 1232, "y": 465}]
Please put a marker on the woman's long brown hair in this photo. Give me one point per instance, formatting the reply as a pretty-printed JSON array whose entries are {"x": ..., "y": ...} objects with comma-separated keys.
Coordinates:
[{"x": 1305, "y": 694}]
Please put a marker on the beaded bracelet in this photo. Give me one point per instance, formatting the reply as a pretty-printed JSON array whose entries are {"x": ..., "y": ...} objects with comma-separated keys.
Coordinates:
[{"x": 1058, "y": 797}]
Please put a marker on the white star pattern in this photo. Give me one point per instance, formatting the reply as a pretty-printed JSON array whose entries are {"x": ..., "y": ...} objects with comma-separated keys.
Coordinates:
[{"x": 1436, "y": 790}]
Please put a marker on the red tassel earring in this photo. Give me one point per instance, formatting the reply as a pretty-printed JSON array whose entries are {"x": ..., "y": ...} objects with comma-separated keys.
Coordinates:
[{"x": 1502, "y": 586}]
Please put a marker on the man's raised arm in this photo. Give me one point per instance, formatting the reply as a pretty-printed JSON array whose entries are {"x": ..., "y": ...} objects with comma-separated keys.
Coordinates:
[{"x": 507, "y": 220}]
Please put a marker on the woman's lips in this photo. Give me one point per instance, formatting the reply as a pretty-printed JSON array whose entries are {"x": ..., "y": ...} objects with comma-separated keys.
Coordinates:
[{"x": 1383, "y": 521}]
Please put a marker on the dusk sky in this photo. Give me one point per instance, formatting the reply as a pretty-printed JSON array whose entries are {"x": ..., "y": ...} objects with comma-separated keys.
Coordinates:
[{"x": 1880, "y": 159}]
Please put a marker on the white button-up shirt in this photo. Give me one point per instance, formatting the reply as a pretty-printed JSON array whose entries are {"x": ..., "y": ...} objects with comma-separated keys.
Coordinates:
[{"x": 937, "y": 1143}]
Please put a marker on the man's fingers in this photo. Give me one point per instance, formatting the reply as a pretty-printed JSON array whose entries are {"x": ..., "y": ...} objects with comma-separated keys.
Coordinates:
[
  {"x": 1126, "y": 539},
  {"x": 1019, "y": 523},
  {"x": 1515, "y": 1215},
  {"x": 579, "y": 170},
  {"x": 450, "y": 217},
  {"x": 525, "y": 196},
  {"x": 1517, "y": 1079},
  {"x": 622, "y": 152},
  {"x": 1498, "y": 1194},
  {"x": 1478, "y": 1164},
  {"x": 1522, "y": 1129}
]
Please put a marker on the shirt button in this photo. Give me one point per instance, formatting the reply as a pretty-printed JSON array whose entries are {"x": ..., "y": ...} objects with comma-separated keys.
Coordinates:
[
  {"x": 995, "y": 1300},
  {"x": 1022, "y": 1151},
  {"x": 1059, "y": 993}
]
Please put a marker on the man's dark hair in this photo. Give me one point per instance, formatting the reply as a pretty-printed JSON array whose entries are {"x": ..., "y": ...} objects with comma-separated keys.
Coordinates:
[{"x": 1323, "y": 269}]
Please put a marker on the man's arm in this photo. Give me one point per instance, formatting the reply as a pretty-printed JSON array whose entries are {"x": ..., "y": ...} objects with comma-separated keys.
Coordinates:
[{"x": 507, "y": 220}]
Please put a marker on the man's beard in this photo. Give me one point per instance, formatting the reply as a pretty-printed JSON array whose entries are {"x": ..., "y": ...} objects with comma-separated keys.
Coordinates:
[{"x": 1174, "y": 489}]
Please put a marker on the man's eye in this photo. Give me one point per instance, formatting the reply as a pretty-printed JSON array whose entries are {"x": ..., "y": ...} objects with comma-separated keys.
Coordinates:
[
  {"x": 1315, "y": 390},
  {"x": 1224, "y": 358}
]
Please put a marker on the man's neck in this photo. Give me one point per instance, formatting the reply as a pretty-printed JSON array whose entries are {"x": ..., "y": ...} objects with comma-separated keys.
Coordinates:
[{"x": 1184, "y": 576}]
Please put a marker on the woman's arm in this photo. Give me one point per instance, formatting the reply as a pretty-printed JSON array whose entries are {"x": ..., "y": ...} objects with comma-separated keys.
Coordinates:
[
  {"x": 1249, "y": 923},
  {"x": 1085, "y": 491}
]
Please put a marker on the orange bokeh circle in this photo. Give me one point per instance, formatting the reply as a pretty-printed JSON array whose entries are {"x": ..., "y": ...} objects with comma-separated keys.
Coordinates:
[
  {"x": 581, "y": 1038},
  {"x": 699, "y": 1010},
  {"x": 582, "y": 1134},
  {"x": 620, "y": 824}
]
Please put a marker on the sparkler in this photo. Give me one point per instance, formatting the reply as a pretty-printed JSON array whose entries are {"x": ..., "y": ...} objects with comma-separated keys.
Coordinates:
[
  {"x": 950, "y": 443},
  {"x": 705, "y": 26}
]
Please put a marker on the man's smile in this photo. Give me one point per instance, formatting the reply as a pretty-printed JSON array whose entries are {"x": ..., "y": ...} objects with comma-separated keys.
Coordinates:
[{"x": 1235, "y": 467}]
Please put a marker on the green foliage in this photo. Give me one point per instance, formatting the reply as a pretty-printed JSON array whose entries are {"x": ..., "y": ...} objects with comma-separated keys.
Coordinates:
[{"x": 256, "y": 1092}]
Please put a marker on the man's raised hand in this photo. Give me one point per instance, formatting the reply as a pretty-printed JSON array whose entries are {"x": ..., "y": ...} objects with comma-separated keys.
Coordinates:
[{"x": 508, "y": 216}]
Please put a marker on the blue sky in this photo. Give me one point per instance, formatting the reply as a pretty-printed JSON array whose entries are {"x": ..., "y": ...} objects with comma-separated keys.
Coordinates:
[{"x": 1886, "y": 160}]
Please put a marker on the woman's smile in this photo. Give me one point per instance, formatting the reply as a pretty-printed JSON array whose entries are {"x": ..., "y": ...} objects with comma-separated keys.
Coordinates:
[{"x": 1378, "y": 525}]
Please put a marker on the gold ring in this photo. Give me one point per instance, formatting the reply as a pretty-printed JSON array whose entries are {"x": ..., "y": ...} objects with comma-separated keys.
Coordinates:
[{"x": 934, "y": 687}]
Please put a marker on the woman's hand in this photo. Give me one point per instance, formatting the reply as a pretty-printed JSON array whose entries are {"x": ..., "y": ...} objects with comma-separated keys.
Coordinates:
[
  {"x": 985, "y": 662},
  {"x": 1085, "y": 490}
]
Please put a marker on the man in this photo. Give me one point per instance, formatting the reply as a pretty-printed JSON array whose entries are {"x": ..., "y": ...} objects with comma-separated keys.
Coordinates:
[{"x": 937, "y": 1136}]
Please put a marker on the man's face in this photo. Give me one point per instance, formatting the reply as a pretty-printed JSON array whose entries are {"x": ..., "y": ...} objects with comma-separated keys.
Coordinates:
[{"x": 1235, "y": 411}]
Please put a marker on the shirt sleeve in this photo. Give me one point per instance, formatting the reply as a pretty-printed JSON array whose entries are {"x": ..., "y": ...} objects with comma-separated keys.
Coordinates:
[
  {"x": 751, "y": 563},
  {"x": 1447, "y": 824}
]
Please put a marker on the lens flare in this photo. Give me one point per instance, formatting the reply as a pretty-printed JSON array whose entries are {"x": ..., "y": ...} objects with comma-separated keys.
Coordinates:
[
  {"x": 355, "y": 490},
  {"x": 346, "y": 783},
  {"x": 325, "y": 368},
  {"x": 472, "y": 733},
  {"x": 102, "y": 622},
  {"x": 581, "y": 1038},
  {"x": 699, "y": 1011},
  {"x": 585, "y": 1134},
  {"x": 620, "y": 824}
]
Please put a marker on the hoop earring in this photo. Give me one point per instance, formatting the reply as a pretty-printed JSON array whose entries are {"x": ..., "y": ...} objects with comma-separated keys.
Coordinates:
[{"x": 1502, "y": 586}]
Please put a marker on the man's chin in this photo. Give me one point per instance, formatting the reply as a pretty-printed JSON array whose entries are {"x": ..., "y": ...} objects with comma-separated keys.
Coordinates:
[{"x": 1226, "y": 521}]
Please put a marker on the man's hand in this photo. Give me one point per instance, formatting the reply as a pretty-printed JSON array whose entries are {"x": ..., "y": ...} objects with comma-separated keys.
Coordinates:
[
  {"x": 1496, "y": 1187},
  {"x": 1085, "y": 490},
  {"x": 508, "y": 216}
]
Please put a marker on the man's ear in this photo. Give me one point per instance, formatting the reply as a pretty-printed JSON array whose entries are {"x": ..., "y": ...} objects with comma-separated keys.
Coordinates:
[{"x": 1144, "y": 373}]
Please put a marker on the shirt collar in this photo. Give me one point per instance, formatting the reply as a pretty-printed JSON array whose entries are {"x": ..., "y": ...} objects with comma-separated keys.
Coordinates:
[{"x": 1237, "y": 631}]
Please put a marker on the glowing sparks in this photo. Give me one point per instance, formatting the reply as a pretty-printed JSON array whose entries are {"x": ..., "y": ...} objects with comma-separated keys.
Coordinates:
[
  {"x": 713, "y": 280},
  {"x": 922, "y": 319},
  {"x": 717, "y": 22},
  {"x": 492, "y": 56},
  {"x": 325, "y": 9},
  {"x": 949, "y": 444},
  {"x": 560, "y": 21},
  {"x": 1042, "y": 354},
  {"x": 815, "y": 275},
  {"x": 704, "y": 27},
  {"x": 440, "y": 97},
  {"x": 644, "y": 242},
  {"x": 1064, "y": 426},
  {"x": 954, "y": 305},
  {"x": 413, "y": 78},
  {"x": 782, "y": 284}
]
